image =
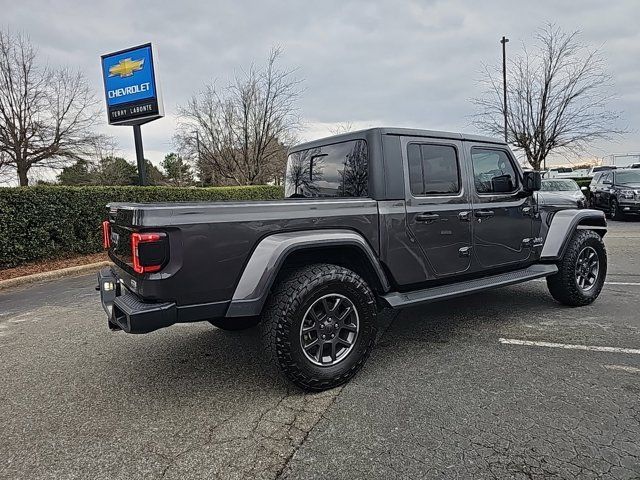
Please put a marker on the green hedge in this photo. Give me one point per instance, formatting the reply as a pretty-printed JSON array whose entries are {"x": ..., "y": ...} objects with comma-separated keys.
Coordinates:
[
  {"x": 53, "y": 221},
  {"x": 583, "y": 182}
]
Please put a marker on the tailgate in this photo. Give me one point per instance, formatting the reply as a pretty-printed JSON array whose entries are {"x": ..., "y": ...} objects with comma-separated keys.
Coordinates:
[{"x": 120, "y": 221}]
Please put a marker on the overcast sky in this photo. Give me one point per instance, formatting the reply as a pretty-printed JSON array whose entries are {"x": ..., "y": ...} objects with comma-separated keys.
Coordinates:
[{"x": 371, "y": 63}]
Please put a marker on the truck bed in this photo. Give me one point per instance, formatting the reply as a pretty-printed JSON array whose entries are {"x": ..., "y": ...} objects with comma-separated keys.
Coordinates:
[{"x": 207, "y": 238}]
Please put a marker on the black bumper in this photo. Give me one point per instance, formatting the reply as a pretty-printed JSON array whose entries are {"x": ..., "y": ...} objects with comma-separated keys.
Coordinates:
[
  {"x": 629, "y": 207},
  {"x": 126, "y": 311}
]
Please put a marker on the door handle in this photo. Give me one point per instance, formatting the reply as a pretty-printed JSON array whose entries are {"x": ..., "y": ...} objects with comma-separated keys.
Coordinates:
[
  {"x": 427, "y": 217},
  {"x": 484, "y": 213},
  {"x": 464, "y": 216}
]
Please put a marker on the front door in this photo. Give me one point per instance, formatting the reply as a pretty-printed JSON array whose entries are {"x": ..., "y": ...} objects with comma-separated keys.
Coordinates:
[
  {"x": 502, "y": 216},
  {"x": 437, "y": 203},
  {"x": 603, "y": 185}
]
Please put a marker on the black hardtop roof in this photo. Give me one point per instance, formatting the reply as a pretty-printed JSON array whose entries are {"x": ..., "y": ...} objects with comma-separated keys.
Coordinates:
[{"x": 407, "y": 132}]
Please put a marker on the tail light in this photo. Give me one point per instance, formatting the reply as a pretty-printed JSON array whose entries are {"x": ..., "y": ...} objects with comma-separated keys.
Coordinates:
[
  {"x": 106, "y": 234},
  {"x": 149, "y": 251}
]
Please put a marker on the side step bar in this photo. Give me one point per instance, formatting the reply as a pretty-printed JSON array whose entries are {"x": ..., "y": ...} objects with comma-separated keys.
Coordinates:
[{"x": 433, "y": 294}]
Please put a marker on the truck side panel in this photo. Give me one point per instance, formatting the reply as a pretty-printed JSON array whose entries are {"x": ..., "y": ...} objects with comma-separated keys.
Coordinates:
[{"x": 210, "y": 243}]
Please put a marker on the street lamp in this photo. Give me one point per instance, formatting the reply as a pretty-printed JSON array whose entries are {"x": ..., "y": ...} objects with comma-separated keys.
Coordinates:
[{"x": 504, "y": 82}]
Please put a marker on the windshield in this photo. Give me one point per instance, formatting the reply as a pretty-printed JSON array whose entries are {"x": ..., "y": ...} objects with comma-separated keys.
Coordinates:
[
  {"x": 554, "y": 185},
  {"x": 629, "y": 176}
]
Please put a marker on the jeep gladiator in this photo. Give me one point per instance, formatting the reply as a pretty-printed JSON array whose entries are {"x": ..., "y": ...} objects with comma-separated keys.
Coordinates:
[{"x": 380, "y": 218}]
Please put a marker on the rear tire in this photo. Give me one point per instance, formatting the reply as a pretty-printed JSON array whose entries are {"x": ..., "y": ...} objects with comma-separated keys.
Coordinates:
[
  {"x": 581, "y": 272},
  {"x": 235, "y": 324},
  {"x": 318, "y": 326}
]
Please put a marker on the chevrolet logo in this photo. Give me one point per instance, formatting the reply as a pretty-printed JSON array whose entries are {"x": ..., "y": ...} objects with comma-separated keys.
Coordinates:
[{"x": 126, "y": 67}]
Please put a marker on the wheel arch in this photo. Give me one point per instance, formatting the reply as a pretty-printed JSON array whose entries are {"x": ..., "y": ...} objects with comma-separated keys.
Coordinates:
[
  {"x": 280, "y": 251},
  {"x": 564, "y": 224}
]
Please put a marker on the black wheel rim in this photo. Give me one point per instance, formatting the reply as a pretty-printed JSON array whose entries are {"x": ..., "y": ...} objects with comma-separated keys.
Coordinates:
[
  {"x": 587, "y": 268},
  {"x": 329, "y": 330},
  {"x": 614, "y": 209}
]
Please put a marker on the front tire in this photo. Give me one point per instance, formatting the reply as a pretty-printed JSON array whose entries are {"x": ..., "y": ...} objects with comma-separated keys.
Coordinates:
[
  {"x": 616, "y": 213},
  {"x": 581, "y": 272},
  {"x": 319, "y": 325}
]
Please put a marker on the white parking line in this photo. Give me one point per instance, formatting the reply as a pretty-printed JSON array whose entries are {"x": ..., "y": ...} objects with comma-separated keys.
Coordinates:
[
  {"x": 623, "y": 368},
  {"x": 568, "y": 346}
]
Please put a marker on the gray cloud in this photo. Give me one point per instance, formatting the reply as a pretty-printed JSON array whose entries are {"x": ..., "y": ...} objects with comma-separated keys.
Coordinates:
[{"x": 386, "y": 62}]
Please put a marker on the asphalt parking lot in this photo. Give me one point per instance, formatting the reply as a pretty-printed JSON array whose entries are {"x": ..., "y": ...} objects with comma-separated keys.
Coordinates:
[{"x": 452, "y": 390}]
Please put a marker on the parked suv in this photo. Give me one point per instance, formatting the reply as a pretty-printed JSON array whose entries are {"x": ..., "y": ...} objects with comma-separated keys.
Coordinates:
[
  {"x": 616, "y": 192},
  {"x": 381, "y": 218}
]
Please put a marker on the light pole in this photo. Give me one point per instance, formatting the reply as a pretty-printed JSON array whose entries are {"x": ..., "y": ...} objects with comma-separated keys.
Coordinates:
[{"x": 504, "y": 82}]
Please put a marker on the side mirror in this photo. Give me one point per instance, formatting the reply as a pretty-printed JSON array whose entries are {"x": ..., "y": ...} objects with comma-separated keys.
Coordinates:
[
  {"x": 502, "y": 184},
  {"x": 531, "y": 181},
  {"x": 607, "y": 182},
  {"x": 584, "y": 189}
]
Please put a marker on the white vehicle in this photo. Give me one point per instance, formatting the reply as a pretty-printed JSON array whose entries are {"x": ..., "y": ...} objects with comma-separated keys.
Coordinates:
[
  {"x": 559, "y": 172},
  {"x": 625, "y": 160},
  {"x": 600, "y": 168}
]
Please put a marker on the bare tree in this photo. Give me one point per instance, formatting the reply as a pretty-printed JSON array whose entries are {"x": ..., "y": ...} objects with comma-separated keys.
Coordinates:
[
  {"x": 354, "y": 175},
  {"x": 339, "y": 128},
  {"x": 557, "y": 98},
  {"x": 46, "y": 115},
  {"x": 305, "y": 169},
  {"x": 238, "y": 132}
]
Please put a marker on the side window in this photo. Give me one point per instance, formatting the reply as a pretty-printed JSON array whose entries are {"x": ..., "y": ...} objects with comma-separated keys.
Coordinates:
[
  {"x": 605, "y": 177},
  {"x": 493, "y": 171},
  {"x": 338, "y": 170},
  {"x": 433, "y": 169}
]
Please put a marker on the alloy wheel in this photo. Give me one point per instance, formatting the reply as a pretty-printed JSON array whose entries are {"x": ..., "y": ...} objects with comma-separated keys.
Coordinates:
[
  {"x": 329, "y": 330},
  {"x": 587, "y": 268}
]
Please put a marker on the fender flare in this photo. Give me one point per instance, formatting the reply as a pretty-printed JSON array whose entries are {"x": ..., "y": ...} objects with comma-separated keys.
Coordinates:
[
  {"x": 563, "y": 225},
  {"x": 268, "y": 257}
]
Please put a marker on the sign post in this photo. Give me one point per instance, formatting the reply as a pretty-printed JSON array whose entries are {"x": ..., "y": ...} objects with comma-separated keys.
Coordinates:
[
  {"x": 132, "y": 94},
  {"x": 137, "y": 140}
]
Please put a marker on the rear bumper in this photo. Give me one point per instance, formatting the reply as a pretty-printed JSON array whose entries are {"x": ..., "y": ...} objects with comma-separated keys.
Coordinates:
[
  {"x": 129, "y": 312},
  {"x": 126, "y": 311}
]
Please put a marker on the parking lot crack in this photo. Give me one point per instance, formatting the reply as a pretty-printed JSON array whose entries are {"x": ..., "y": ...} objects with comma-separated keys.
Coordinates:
[
  {"x": 335, "y": 393},
  {"x": 209, "y": 440}
]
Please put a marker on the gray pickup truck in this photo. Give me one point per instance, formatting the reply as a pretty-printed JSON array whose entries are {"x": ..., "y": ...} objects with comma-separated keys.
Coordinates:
[{"x": 380, "y": 218}]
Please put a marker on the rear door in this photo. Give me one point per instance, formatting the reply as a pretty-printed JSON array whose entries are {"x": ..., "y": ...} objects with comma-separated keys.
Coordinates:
[
  {"x": 437, "y": 203},
  {"x": 502, "y": 216}
]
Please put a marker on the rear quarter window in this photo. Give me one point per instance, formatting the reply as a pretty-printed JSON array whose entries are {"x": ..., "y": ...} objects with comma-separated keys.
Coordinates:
[{"x": 336, "y": 170}]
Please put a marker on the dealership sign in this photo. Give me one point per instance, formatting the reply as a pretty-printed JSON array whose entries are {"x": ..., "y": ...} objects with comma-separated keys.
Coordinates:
[{"x": 132, "y": 93}]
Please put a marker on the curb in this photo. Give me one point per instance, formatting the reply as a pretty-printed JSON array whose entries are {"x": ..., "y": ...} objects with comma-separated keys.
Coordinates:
[{"x": 62, "y": 272}]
